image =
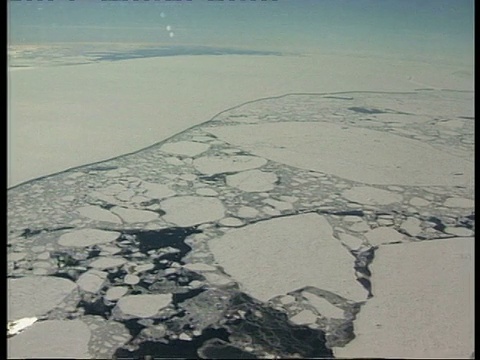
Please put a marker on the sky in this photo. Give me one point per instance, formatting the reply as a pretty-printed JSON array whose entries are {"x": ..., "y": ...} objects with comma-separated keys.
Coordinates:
[{"x": 425, "y": 28}]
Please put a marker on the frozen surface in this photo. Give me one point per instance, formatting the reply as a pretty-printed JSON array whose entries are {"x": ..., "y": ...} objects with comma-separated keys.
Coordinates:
[
  {"x": 59, "y": 116},
  {"x": 51, "y": 339},
  {"x": 276, "y": 241},
  {"x": 192, "y": 210},
  {"x": 354, "y": 153},
  {"x": 274, "y": 257},
  {"x": 36, "y": 295},
  {"x": 409, "y": 293},
  {"x": 87, "y": 237},
  {"x": 143, "y": 306}
]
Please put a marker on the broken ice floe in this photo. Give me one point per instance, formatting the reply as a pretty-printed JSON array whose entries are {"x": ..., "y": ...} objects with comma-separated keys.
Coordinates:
[{"x": 271, "y": 215}]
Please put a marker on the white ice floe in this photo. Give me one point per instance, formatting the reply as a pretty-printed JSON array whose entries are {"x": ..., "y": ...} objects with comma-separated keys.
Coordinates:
[
  {"x": 371, "y": 196},
  {"x": 354, "y": 153},
  {"x": 279, "y": 205},
  {"x": 459, "y": 202},
  {"x": 247, "y": 212},
  {"x": 138, "y": 199},
  {"x": 352, "y": 242},
  {"x": 14, "y": 327},
  {"x": 185, "y": 148},
  {"x": 115, "y": 292},
  {"x": 35, "y": 295},
  {"x": 44, "y": 255},
  {"x": 184, "y": 337},
  {"x": 352, "y": 219},
  {"x": 131, "y": 279},
  {"x": 360, "y": 226},
  {"x": 418, "y": 201},
  {"x": 206, "y": 192},
  {"x": 51, "y": 339},
  {"x": 188, "y": 177},
  {"x": 16, "y": 256},
  {"x": 458, "y": 231},
  {"x": 385, "y": 221},
  {"x": 99, "y": 214},
  {"x": 109, "y": 250},
  {"x": 423, "y": 293},
  {"x": 108, "y": 262},
  {"x": 174, "y": 161},
  {"x": 125, "y": 195},
  {"x": 92, "y": 280},
  {"x": 214, "y": 164},
  {"x": 135, "y": 215},
  {"x": 253, "y": 180},
  {"x": 270, "y": 211},
  {"x": 108, "y": 199},
  {"x": 411, "y": 226},
  {"x": 383, "y": 235},
  {"x": 157, "y": 191},
  {"x": 143, "y": 306},
  {"x": 192, "y": 210},
  {"x": 143, "y": 267},
  {"x": 40, "y": 271},
  {"x": 274, "y": 257},
  {"x": 87, "y": 237},
  {"x": 231, "y": 222}
]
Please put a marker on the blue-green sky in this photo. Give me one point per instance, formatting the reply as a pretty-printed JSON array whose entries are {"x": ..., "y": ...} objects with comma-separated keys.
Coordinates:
[{"x": 424, "y": 27}]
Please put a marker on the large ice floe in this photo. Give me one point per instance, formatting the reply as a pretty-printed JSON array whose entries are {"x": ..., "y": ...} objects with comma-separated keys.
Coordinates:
[{"x": 308, "y": 225}]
